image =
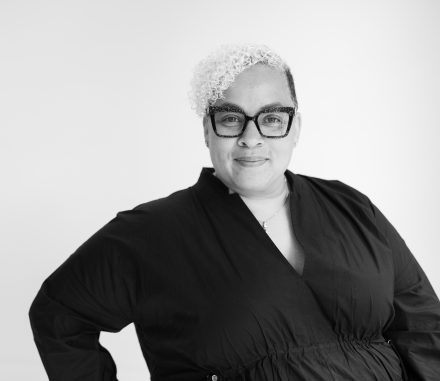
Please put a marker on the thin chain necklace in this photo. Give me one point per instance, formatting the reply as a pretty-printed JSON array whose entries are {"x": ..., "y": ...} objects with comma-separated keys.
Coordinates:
[{"x": 264, "y": 222}]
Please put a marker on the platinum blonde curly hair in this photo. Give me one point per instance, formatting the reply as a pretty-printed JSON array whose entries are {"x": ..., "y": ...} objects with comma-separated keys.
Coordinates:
[{"x": 213, "y": 75}]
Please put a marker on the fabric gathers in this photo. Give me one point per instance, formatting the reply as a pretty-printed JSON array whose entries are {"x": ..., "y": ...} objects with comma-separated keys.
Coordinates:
[{"x": 212, "y": 298}]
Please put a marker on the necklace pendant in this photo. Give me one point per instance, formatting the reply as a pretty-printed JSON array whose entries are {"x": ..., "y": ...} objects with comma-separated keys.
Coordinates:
[{"x": 264, "y": 224}]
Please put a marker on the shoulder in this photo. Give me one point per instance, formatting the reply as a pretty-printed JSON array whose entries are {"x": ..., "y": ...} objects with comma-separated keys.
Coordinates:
[
  {"x": 160, "y": 210},
  {"x": 333, "y": 191},
  {"x": 174, "y": 202},
  {"x": 334, "y": 187},
  {"x": 134, "y": 228}
]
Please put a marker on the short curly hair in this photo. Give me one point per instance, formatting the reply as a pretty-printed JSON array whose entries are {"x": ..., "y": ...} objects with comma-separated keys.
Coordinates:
[{"x": 213, "y": 75}]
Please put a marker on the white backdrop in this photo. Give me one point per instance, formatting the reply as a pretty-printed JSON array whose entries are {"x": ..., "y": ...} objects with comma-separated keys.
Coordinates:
[{"x": 82, "y": 84}]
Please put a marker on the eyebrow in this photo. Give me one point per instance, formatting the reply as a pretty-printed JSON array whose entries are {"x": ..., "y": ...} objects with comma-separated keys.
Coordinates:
[{"x": 265, "y": 107}]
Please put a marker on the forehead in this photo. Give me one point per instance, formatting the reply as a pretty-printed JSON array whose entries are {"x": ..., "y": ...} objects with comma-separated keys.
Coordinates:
[{"x": 256, "y": 87}]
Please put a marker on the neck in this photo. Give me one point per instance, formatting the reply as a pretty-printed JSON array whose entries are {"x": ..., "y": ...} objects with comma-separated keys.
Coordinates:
[
  {"x": 279, "y": 189},
  {"x": 264, "y": 207},
  {"x": 272, "y": 196}
]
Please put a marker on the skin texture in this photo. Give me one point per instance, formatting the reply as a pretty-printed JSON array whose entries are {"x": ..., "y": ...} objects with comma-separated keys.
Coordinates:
[{"x": 237, "y": 160}]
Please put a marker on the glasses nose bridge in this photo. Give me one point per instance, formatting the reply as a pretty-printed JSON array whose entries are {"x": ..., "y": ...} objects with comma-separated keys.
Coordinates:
[
  {"x": 252, "y": 138},
  {"x": 247, "y": 120}
]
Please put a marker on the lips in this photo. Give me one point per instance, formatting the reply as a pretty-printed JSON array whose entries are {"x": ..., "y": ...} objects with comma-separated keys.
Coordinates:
[
  {"x": 251, "y": 161},
  {"x": 251, "y": 158}
]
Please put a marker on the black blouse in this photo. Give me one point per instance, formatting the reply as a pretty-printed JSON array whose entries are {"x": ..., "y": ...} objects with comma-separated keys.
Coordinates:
[{"x": 212, "y": 297}]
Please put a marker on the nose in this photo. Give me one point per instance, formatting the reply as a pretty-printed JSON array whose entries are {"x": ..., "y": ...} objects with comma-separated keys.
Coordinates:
[{"x": 251, "y": 136}]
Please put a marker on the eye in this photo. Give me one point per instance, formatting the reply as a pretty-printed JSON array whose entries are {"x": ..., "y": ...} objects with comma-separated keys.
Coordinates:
[
  {"x": 272, "y": 119},
  {"x": 229, "y": 119}
]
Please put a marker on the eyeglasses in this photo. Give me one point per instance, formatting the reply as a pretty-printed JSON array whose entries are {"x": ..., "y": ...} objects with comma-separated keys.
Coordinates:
[{"x": 231, "y": 122}]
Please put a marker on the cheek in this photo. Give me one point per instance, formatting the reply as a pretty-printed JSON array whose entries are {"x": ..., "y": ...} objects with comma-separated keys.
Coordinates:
[
  {"x": 221, "y": 149},
  {"x": 282, "y": 153},
  {"x": 282, "y": 149}
]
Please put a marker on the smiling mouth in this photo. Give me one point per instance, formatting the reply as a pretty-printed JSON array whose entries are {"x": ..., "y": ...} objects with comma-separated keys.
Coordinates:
[{"x": 251, "y": 161}]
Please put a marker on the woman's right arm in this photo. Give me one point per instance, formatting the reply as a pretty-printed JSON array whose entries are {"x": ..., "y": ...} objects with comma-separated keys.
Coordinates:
[{"x": 94, "y": 290}]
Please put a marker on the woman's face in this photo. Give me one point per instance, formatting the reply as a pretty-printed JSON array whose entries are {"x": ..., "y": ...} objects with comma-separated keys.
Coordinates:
[{"x": 252, "y": 165}]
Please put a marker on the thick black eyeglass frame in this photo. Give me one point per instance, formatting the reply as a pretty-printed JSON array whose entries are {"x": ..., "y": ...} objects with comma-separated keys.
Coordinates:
[{"x": 212, "y": 109}]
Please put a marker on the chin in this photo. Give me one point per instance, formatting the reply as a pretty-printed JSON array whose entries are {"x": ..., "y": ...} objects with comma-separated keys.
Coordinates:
[{"x": 254, "y": 183}]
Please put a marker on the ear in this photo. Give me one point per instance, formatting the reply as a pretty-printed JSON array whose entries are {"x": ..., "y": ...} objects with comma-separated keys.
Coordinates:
[
  {"x": 206, "y": 124},
  {"x": 297, "y": 123}
]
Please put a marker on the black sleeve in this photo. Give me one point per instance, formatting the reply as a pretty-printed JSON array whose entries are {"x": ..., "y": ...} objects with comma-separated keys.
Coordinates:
[
  {"x": 415, "y": 329},
  {"x": 93, "y": 290}
]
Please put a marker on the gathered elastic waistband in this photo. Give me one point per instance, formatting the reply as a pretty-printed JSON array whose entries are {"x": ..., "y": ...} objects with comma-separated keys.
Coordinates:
[{"x": 341, "y": 342}]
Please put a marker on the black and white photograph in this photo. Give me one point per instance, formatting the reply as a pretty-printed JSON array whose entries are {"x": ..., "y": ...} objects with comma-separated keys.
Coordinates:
[{"x": 220, "y": 191}]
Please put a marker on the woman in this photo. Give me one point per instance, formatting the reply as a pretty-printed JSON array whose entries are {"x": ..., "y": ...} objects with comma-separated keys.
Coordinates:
[{"x": 254, "y": 273}]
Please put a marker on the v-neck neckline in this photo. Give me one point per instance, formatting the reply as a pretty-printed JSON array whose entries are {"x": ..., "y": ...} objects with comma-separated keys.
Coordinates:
[
  {"x": 266, "y": 238},
  {"x": 307, "y": 221},
  {"x": 211, "y": 182}
]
